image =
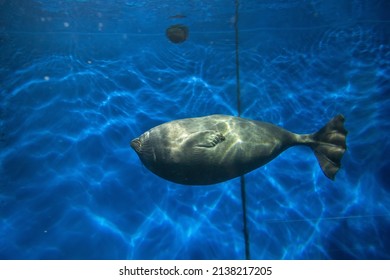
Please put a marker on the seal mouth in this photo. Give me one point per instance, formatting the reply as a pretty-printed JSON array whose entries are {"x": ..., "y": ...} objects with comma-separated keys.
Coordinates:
[{"x": 136, "y": 144}]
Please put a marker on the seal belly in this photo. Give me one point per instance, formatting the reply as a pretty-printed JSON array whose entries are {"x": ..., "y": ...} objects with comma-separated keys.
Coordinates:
[{"x": 248, "y": 145}]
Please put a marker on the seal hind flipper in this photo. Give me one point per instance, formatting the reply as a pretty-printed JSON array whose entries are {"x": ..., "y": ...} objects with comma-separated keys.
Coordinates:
[{"x": 329, "y": 145}]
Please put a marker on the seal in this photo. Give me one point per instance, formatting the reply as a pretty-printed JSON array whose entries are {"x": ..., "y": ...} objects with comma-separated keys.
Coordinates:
[{"x": 213, "y": 149}]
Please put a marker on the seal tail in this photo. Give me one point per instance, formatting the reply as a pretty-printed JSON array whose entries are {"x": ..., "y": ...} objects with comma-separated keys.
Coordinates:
[{"x": 329, "y": 145}]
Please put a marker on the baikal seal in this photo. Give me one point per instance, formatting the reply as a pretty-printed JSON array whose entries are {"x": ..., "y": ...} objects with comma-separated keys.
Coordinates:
[{"x": 213, "y": 149}]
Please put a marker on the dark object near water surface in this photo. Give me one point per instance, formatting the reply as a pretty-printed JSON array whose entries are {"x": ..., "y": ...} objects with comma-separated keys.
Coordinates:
[
  {"x": 178, "y": 16},
  {"x": 177, "y": 33},
  {"x": 213, "y": 149}
]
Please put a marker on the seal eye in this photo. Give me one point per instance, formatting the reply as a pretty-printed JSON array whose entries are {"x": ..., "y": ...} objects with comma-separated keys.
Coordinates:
[{"x": 136, "y": 144}]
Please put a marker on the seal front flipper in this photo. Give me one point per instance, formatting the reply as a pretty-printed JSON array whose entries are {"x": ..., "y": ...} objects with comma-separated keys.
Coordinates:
[{"x": 204, "y": 139}]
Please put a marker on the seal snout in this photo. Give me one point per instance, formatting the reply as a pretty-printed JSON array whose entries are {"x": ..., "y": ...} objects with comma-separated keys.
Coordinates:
[{"x": 136, "y": 144}]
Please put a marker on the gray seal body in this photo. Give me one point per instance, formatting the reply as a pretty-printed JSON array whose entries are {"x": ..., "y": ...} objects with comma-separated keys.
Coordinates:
[{"x": 216, "y": 148}]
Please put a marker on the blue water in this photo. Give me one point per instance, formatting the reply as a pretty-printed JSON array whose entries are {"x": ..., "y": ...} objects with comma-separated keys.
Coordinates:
[{"x": 80, "y": 79}]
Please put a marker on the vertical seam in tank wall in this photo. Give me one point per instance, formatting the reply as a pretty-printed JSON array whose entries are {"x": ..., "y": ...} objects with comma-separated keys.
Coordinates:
[{"x": 242, "y": 178}]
